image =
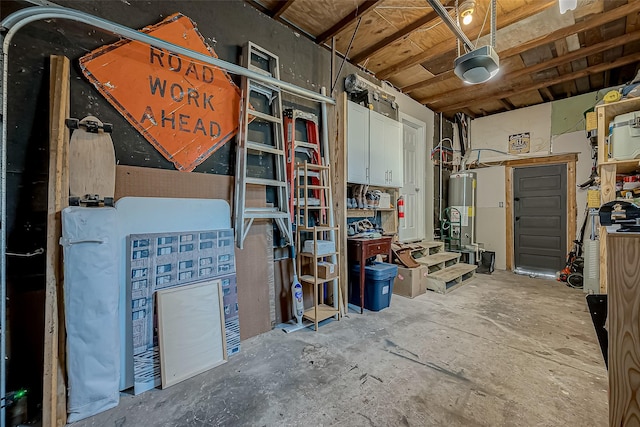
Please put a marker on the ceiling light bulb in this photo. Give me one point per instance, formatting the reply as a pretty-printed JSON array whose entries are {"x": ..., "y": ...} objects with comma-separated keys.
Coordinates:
[{"x": 466, "y": 11}]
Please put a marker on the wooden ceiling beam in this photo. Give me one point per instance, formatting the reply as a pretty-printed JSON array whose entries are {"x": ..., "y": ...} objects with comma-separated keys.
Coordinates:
[
  {"x": 350, "y": 18},
  {"x": 546, "y": 83},
  {"x": 527, "y": 71},
  {"x": 281, "y": 8},
  {"x": 450, "y": 45},
  {"x": 546, "y": 92},
  {"x": 403, "y": 32},
  {"x": 596, "y": 21}
]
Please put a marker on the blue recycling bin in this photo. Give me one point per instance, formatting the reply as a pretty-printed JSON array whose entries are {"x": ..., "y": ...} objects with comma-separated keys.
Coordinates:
[{"x": 378, "y": 285}]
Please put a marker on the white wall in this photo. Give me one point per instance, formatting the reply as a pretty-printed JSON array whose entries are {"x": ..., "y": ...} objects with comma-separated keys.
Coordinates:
[
  {"x": 418, "y": 111},
  {"x": 490, "y": 212},
  {"x": 492, "y": 133}
]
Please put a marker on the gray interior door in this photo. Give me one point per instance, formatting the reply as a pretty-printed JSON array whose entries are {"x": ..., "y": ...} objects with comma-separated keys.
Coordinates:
[{"x": 540, "y": 219}]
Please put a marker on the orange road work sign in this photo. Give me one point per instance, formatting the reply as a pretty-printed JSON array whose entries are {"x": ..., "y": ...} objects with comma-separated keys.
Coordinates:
[{"x": 185, "y": 108}]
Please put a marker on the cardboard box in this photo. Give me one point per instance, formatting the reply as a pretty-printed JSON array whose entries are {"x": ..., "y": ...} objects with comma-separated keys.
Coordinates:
[
  {"x": 411, "y": 282},
  {"x": 385, "y": 201},
  {"x": 326, "y": 270},
  {"x": 324, "y": 247}
]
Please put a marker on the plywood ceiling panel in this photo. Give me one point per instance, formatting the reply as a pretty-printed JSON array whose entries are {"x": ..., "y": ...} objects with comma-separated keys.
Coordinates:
[
  {"x": 373, "y": 28},
  {"x": 410, "y": 76},
  {"x": 400, "y": 13},
  {"x": 389, "y": 56},
  {"x": 317, "y": 16}
]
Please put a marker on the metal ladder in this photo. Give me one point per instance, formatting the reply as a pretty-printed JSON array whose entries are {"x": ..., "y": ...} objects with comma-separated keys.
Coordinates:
[{"x": 261, "y": 137}]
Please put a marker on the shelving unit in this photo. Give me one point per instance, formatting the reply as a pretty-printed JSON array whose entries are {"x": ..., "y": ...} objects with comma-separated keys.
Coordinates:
[
  {"x": 388, "y": 216},
  {"x": 312, "y": 225},
  {"x": 609, "y": 168},
  {"x": 308, "y": 266}
]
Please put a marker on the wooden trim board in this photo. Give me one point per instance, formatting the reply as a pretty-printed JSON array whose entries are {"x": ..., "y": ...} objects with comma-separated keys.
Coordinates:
[
  {"x": 54, "y": 404},
  {"x": 624, "y": 321},
  {"x": 190, "y": 331},
  {"x": 569, "y": 160}
]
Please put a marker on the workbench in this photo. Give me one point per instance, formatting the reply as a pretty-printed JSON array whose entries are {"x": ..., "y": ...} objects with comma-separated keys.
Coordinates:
[{"x": 360, "y": 249}]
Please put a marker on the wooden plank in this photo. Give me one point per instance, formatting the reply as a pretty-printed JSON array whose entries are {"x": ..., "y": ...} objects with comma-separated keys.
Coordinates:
[
  {"x": 562, "y": 49},
  {"x": 359, "y": 11},
  {"x": 571, "y": 202},
  {"x": 607, "y": 174},
  {"x": 54, "y": 411},
  {"x": 442, "y": 48},
  {"x": 255, "y": 280},
  {"x": 281, "y": 8},
  {"x": 438, "y": 258},
  {"x": 376, "y": 47},
  {"x": 191, "y": 333},
  {"x": 508, "y": 204},
  {"x": 623, "y": 326},
  {"x": 603, "y": 260},
  {"x": 338, "y": 127},
  {"x": 453, "y": 272},
  {"x": 542, "y": 161}
]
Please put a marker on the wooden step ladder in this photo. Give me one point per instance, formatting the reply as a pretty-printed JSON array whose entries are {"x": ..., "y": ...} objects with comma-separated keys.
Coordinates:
[
  {"x": 311, "y": 225},
  {"x": 261, "y": 136}
]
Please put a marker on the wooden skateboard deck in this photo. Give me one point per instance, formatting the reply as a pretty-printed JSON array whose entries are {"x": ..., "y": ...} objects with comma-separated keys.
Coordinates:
[{"x": 92, "y": 162}]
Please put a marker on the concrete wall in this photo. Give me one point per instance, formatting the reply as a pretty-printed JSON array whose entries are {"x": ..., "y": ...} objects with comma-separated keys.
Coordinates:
[{"x": 555, "y": 128}]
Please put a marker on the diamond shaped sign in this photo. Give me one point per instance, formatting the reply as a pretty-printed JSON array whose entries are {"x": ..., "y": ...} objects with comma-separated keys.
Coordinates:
[{"x": 185, "y": 108}]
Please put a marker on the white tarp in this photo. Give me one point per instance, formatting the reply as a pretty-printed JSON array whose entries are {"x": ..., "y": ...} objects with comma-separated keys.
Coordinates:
[{"x": 91, "y": 296}]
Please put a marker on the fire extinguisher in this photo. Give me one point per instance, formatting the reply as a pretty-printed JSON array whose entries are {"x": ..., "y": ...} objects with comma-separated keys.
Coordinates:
[{"x": 401, "y": 207}]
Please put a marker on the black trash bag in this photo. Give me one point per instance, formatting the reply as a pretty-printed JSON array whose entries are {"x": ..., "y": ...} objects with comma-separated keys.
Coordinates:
[{"x": 487, "y": 262}]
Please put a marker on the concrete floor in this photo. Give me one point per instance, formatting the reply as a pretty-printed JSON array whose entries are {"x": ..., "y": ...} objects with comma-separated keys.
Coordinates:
[{"x": 503, "y": 350}]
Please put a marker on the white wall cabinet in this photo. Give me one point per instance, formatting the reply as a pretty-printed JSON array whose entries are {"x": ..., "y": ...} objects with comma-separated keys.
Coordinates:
[
  {"x": 374, "y": 148},
  {"x": 357, "y": 144}
]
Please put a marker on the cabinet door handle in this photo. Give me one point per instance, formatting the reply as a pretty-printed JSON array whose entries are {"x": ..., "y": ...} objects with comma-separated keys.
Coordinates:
[
  {"x": 390, "y": 176},
  {"x": 367, "y": 172}
]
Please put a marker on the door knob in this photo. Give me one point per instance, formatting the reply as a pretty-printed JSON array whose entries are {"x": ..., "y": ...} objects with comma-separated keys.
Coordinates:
[{"x": 517, "y": 218}]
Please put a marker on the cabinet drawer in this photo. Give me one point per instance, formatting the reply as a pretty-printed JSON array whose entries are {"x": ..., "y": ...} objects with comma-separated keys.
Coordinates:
[{"x": 376, "y": 248}]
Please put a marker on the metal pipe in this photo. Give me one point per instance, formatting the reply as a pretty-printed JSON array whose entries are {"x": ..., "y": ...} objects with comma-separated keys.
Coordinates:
[
  {"x": 440, "y": 10},
  {"x": 333, "y": 63},
  {"x": 18, "y": 19},
  {"x": 3, "y": 229},
  {"x": 440, "y": 167}
]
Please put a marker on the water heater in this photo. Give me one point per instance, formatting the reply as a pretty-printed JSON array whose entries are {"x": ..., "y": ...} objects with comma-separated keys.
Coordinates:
[{"x": 462, "y": 198}]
